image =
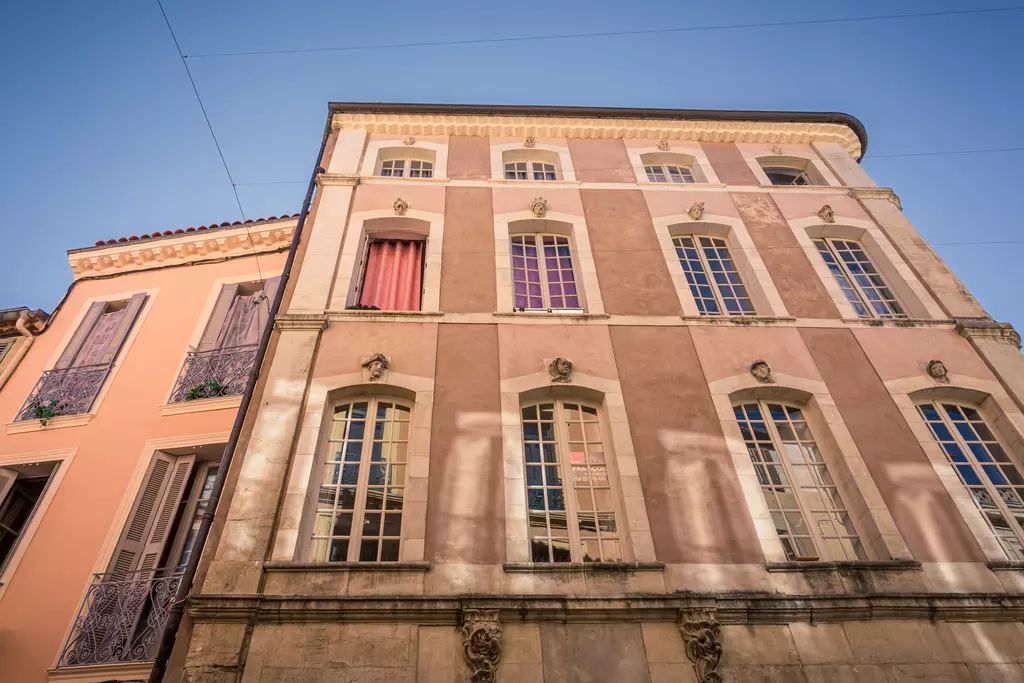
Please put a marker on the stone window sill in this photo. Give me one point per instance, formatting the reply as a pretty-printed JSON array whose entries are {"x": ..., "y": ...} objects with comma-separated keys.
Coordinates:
[
  {"x": 542, "y": 567},
  {"x": 805, "y": 188},
  {"x": 553, "y": 315},
  {"x": 740, "y": 320},
  {"x": 898, "y": 322},
  {"x": 201, "y": 405},
  {"x": 1005, "y": 565},
  {"x": 101, "y": 673},
  {"x": 347, "y": 566},
  {"x": 682, "y": 186},
  {"x": 383, "y": 179},
  {"x": 846, "y": 565},
  {"x": 53, "y": 423},
  {"x": 359, "y": 314}
]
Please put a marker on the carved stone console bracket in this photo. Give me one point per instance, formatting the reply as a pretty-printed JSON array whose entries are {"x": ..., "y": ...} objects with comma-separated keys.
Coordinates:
[
  {"x": 702, "y": 638},
  {"x": 877, "y": 193},
  {"x": 986, "y": 328},
  {"x": 481, "y": 638}
]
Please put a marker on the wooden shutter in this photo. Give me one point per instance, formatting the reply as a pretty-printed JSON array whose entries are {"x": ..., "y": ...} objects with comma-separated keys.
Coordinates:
[
  {"x": 270, "y": 288},
  {"x": 211, "y": 335},
  {"x": 7, "y": 479},
  {"x": 81, "y": 334},
  {"x": 131, "y": 312},
  {"x": 146, "y": 529}
]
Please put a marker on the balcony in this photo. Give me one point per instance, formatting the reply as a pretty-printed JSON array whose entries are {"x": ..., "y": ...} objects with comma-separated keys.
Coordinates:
[
  {"x": 64, "y": 391},
  {"x": 121, "y": 618},
  {"x": 213, "y": 374}
]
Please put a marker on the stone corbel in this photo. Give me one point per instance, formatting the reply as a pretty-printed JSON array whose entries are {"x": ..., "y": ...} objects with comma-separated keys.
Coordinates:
[
  {"x": 481, "y": 638},
  {"x": 986, "y": 328},
  {"x": 702, "y": 638},
  {"x": 877, "y": 193}
]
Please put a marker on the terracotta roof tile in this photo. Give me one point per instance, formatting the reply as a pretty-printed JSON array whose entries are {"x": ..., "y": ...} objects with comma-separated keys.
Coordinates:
[{"x": 180, "y": 231}]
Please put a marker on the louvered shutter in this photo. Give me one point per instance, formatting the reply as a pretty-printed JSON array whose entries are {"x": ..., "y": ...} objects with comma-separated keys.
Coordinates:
[
  {"x": 211, "y": 335},
  {"x": 7, "y": 479},
  {"x": 160, "y": 531},
  {"x": 149, "y": 505},
  {"x": 131, "y": 312},
  {"x": 81, "y": 334},
  {"x": 270, "y": 288}
]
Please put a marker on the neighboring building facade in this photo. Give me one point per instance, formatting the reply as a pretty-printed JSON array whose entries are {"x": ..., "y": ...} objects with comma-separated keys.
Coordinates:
[
  {"x": 116, "y": 410},
  {"x": 617, "y": 395}
]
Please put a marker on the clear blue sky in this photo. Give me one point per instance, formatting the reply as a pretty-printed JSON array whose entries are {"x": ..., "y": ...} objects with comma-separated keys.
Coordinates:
[{"x": 102, "y": 135}]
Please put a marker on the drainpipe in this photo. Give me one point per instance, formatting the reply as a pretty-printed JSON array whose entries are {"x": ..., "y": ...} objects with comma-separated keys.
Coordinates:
[
  {"x": 20, "y": 352},
  {"x": 189, "y": 573}
]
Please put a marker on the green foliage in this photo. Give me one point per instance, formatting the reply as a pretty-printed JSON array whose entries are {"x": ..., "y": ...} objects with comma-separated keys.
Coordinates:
[
  {"x": 45, "y": 412},
  {"x": 208, "y": 389}
]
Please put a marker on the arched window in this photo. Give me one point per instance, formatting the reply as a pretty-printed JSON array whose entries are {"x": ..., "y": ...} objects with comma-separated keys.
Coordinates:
[
  {"x": 390, "y": 273},
  {"x": 531, "y": 164},
  {"x": 810, "y": 517},
  {"x": 670, "y": 167},
  {"x": 543, "y": 275},
  {"x": 360, "y": 500},
  {"x": 712, "y": 275},
  {"x": 984, "y": 468},
  {"x": 405, "y": 162},
  {"x": 573, "y": 510},
  {"x": 860, "y": 280},
  {"x": 788, "y": 170}
]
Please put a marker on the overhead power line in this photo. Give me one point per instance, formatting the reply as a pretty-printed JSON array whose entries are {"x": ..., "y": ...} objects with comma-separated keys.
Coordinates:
[{"x": 604, "y": 34}]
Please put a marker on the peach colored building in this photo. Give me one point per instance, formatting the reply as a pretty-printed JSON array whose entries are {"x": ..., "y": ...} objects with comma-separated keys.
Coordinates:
[{"x": 115, "y": 411}]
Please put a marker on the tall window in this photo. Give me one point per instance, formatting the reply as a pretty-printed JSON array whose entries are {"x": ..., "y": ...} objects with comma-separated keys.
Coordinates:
[
  {"x": 712, "y": 276},
  {"x": 542, "y": 273},
  {"x": 669, "y": 173},
  {"x": 5, "y": 346},
  {"x": 393, "y": 275},
  {"x": 21, "y": 488},
  {"x": 527, "y": 170},
  {"x": 810, "y": 517},
  {"x": 994, "y": 482},
  {"x": 779, "y": 175},
  {"x": 574, "y": 521},
  {"x": 860, "y": 281},
  {"x": 74, "y": 382},
  {"x": 407, "y": 168},
  {"x": 359, "y": 506}
]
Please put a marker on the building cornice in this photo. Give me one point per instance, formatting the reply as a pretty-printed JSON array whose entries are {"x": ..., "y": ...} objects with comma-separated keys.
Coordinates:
[
  {"x": 987, "y": 329},
  {"x": 697, "y": 130},
  {"x": 190, "y": 247}
]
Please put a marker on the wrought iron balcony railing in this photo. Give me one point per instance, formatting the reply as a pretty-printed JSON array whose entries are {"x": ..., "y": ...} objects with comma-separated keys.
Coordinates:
[
  {"x": 121, "y": 618},
  {"x": 209, "y": 374},
  {"x": 64, "y": 391}
]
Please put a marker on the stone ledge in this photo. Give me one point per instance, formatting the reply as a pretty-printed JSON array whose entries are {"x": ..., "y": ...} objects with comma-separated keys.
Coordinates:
[
  {"x": 301, "y": 321},
  {"x": 740, "y": 320},
  {"x": 346, "y": 566},
  {"x": 588, "y": 567},
  {"x": 553, "y": 315},
  {"x": 853, "y": 565},
  {"x": 1004, "y": 565},
  {"x": 200, "y": 405},
  {"x": 383, "y": 316},
  {"x": 898, "y": 322},
  {"x": 102, "y": 673},
  {"x": 987, "y": 328},
  {"x": 732, "y": 609},
  {"x": 33, "y": 425}
]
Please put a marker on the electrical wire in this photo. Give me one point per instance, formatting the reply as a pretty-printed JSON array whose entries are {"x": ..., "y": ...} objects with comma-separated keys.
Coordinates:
[{"x": 603, "y": 34}]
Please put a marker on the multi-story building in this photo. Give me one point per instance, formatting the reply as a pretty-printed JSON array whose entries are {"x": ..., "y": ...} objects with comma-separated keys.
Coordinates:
[{"x": 116, "y": 410}]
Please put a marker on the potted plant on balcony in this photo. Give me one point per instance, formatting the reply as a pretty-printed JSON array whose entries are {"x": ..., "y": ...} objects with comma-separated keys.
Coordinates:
[
  {"x": 44, "y": 410},
  {"x": 211, "y": 388}
]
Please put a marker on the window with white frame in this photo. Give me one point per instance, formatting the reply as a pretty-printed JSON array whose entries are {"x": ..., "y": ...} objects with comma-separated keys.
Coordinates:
[
  {"x": 668, "y": 173},
  {"x": 810, "y": 517},
  {"x": 530, "y": 170},
  {"x": 359, "y": 505},
  {"x": 574, "y": 520},
  {"x": 406, "y": 168},
  {"x": 712, "y": 275},
  {"x": 780, "y": 175},
  {"x": 862, "y": 283},
  {"x": 983, "y": 467},
  {"x": 543, "y": 277}
]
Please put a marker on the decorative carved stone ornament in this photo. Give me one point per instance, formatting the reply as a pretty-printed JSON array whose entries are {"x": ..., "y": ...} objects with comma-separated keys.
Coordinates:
[
  {"x": 663, "y": 145},
  {"x": 762, "y": 372},
  {"x": 529, "y": 143},
  {"x": 376, "y": 365},
  {"x": 560, "y": 370},
  {"x": 937, "y": 371},
  {"x": 696, "y": 211},
  {"x": 408, "y": 140},
  {"x": 539, "y": 207},
  {"x": 986, "y": 329},
  {"x": 481, "y": 637},
  {"x": 702, "y": 636},
  {"x": 776, "y": 149},
  {"x": 827, "y": 214},
  {"x": 400, "y": 206}
]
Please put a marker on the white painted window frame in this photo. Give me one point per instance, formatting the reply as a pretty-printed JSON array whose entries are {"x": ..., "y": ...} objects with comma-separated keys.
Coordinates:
[{"x": 684, "y": 155}]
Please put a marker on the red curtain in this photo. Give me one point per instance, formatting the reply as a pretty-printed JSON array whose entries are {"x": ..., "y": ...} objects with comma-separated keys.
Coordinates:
[{"x": 394, "y": 272}]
